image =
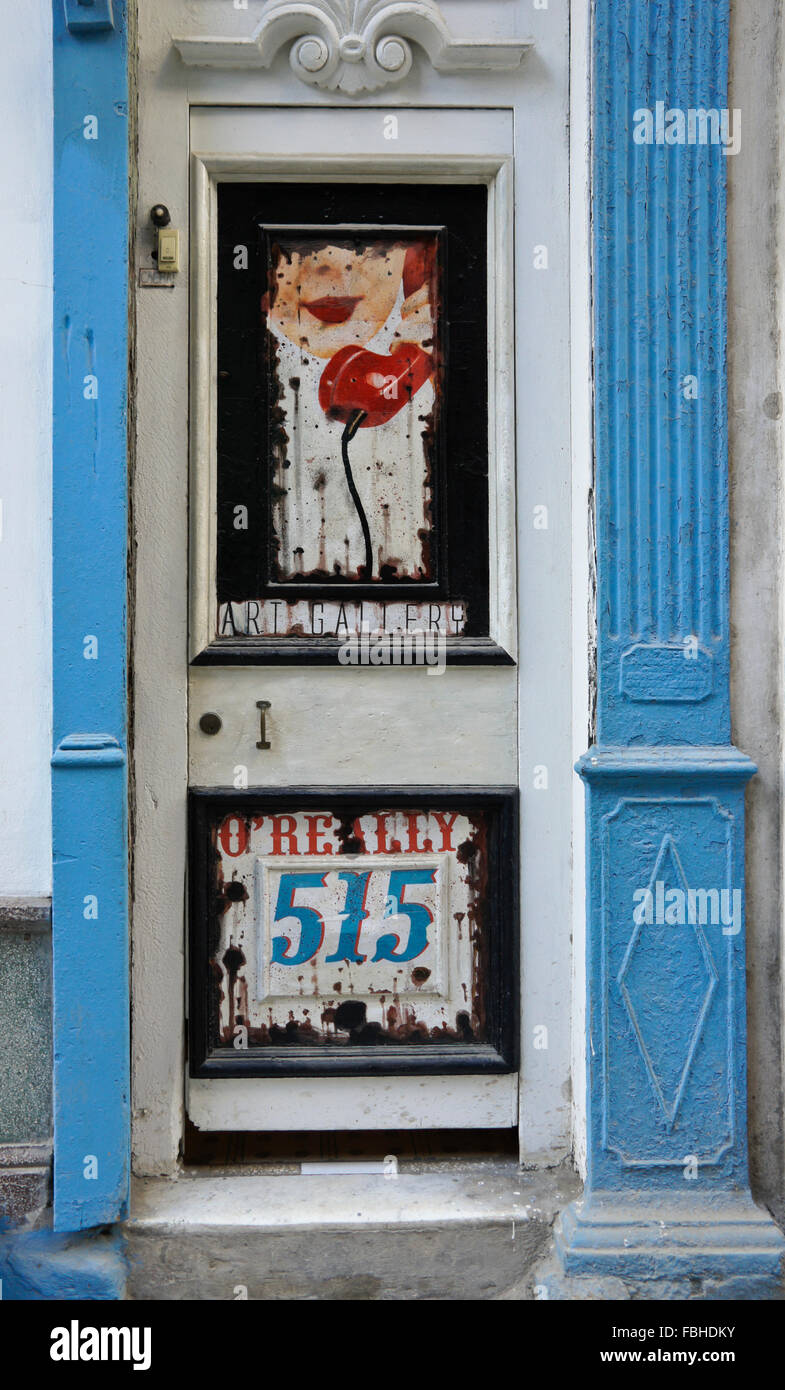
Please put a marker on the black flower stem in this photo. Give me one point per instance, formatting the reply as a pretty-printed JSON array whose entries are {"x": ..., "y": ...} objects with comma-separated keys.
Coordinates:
[{"x": 352, "y": 427}]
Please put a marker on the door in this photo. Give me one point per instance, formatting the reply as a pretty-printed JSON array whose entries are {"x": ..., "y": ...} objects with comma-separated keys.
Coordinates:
[
  {"x": 352, "y": 559},
  {"x": 353, "y": 914}
]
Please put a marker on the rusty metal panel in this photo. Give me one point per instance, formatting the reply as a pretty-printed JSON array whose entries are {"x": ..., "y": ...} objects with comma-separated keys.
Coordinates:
[{"x": 346, "y": 932}]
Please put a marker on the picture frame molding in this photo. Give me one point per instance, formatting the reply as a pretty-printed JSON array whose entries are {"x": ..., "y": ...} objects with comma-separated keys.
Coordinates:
[
  {"x": 499, "y": 1055},
  {"x": 207, "y": 171}
]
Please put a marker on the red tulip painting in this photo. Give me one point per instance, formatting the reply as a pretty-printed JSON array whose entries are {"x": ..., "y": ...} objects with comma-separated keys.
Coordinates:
[
  {"x": 356, "y": 379},
  {"x": 355, "y": 366}
]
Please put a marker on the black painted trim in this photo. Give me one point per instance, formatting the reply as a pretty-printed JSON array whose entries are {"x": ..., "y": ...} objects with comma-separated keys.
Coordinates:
[{"x": 318, "y": 651}]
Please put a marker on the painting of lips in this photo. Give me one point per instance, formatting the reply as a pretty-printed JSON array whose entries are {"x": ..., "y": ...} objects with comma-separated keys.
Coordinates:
[
  {"x": 333, "y": 308},
  {"x": 356, "y": 380}
]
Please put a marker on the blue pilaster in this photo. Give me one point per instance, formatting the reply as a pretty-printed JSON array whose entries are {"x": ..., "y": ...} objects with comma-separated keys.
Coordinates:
[
  {"x": 667, "y": 1190},
  {"x": 90, "y": 919}
]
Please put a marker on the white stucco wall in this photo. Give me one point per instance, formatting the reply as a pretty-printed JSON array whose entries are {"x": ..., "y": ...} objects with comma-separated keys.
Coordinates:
[{"x": 25, "y": 455}]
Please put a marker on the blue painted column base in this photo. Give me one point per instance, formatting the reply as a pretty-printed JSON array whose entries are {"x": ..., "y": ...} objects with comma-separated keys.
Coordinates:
[
  {"x": 712, "y": 1235},
  {"x": 41, "y": 1265},
  {"x": 667, "y": 1193}
]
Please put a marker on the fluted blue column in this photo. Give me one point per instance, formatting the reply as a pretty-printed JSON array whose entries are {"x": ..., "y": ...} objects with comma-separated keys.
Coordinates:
[{"x": 667, "y": 1191}]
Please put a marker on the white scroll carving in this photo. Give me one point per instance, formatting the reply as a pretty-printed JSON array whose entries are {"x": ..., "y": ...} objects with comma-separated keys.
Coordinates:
[{"x": 351, "y": 46}]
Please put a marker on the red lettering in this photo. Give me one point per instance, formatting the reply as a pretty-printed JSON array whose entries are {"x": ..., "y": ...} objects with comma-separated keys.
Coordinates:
[
  {"x": 314, "y": 832},
  {"x": 414, "y": 847},
  {"x": 233, "y": 836},
  {"x": 445, "y": 826},
  {"x": 382, "y": 844},
  {"x": 280, "y": 834}
]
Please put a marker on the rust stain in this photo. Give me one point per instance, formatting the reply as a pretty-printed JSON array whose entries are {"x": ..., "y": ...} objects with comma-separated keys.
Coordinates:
[{"x": 233, "y": 960}]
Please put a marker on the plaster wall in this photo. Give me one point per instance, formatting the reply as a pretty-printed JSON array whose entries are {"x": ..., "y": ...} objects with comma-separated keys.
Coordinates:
[
  {"x": 25, "y": 608},
  {"x": 25, "y": 462},
  {"x": 756, "y": 237}
]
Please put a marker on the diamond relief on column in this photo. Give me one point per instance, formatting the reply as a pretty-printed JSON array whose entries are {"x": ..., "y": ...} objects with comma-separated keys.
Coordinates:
[{"x": 668, "y": 978}]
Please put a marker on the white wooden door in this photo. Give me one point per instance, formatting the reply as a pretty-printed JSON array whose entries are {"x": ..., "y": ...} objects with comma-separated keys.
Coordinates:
[
  {"x": 352, "y": 415},
  {"x": 378, "y": 1015}
]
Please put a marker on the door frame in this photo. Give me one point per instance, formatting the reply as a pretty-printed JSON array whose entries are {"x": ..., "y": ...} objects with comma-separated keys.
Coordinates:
[{"x": 538, "y": 97}]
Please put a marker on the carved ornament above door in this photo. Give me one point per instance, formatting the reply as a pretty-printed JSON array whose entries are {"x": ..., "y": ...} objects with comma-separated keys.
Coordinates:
[{"x": 351, "y": 46}]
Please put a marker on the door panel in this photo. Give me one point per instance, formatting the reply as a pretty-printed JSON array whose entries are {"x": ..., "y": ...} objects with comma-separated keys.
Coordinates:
[
  {"x": 370, "y": 726},
  {"x": 391, "y": 1102},
  {"x": 354, "y": 931}
]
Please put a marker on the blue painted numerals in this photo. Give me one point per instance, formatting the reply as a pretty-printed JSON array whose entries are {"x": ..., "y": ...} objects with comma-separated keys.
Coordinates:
[
  {"x": 311, "y": 923},
  {"x": 353, "y": 915},
  {"x": 419, "y": 917}
]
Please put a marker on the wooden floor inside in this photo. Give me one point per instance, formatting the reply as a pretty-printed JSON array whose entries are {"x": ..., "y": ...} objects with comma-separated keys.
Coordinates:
[{"x": 222, "y": 1150}]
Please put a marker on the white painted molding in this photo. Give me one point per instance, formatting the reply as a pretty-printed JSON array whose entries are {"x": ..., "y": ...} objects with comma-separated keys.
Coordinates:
[
  {"x": 351, "y": 46},
  {"x": 237, "y": 135}
]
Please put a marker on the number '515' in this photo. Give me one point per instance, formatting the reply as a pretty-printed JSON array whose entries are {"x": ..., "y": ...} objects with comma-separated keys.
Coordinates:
[{"x": 353, "y": 914}]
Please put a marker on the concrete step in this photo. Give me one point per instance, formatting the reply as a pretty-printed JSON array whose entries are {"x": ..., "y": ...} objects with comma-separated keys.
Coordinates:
[{"x": 448, "y": 1232}]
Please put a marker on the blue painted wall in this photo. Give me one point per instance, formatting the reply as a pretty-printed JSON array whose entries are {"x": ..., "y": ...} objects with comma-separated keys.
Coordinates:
[
  {"x": 90, "y": 919},
  {"x": 40, "y": 1266}
]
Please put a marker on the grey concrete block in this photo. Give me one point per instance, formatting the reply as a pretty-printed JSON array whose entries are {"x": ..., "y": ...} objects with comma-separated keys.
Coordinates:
[
  {"x": 25, "y": 1182},
  {"x": 25, "y": 1022}
]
